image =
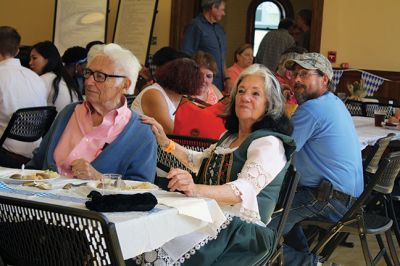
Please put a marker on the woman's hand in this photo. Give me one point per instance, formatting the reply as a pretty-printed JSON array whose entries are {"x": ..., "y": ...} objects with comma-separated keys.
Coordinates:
[
  {"x": 82, "y": 169},
  {"x": 182, "y": 180},
  {"x": 157, "y": 129}
]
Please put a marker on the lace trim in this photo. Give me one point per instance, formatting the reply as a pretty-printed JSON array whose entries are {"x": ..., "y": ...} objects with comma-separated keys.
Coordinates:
[
  {"x": 159, "y": 257},
  {"x": 245, "y": 214},
  {"x": 235, "y": 189},
  {"x": 256, "y": 175}
]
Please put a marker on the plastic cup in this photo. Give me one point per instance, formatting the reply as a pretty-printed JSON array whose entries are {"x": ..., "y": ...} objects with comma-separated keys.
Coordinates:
[
  {"x": 379, "y": 118},
  {"x": 109, "y": 178}
]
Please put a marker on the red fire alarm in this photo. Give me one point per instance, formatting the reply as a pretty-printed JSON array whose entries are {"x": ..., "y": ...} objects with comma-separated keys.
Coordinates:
[{"x": 332, "y": 56}]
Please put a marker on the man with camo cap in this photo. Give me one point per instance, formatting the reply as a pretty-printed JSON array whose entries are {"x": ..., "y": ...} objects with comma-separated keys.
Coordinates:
[{"x": 327, "y": 157}]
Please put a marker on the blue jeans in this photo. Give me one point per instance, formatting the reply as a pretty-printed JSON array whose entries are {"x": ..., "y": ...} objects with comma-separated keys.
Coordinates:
[{"x": 306, "y": 206}]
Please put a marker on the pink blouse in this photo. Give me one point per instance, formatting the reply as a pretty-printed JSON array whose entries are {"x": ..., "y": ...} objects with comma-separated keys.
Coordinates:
[{"x": 82, "y": 140}]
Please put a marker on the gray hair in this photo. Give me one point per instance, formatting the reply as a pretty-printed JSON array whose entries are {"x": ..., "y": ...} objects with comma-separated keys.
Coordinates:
[
  {"x": 208, "y": 4},
  {"x": 125, "y": 61},
  {"x": 272, "y": 89}
]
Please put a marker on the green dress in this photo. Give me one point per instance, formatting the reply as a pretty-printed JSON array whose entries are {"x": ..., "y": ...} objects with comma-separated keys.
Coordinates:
[{"x": 241, "y": 243}]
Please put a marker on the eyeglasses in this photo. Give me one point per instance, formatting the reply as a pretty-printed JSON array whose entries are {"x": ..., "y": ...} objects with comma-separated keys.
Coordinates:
[
  {"x": 303, "y": 74},
  {"x": 99, "y": 76}
]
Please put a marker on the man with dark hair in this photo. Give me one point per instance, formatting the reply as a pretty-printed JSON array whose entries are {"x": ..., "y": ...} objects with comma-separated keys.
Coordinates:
[
  {"x": 19, "y": 88},
  {"x": 274, "y": 44},
  {"x": 327, "y": 157},
  {"x": 206, "y": 34}
]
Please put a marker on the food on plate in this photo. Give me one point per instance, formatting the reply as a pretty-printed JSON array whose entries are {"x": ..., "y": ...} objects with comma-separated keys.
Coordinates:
[
  {"x": 41, "y": 185},
  {"x": 40, "y": 175},
  {"x": 122, "y": 185},
  {"x": 392, "y": 120}
]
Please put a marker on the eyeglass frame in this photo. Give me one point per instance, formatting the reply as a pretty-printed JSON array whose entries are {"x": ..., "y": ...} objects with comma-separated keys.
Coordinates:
[
  {"x": 304, "y": 73},
  {"x": 93, "y": 73}
]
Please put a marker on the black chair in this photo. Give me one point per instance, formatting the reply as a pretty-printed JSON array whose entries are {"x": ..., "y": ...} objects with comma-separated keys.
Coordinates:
[
  {"x": 29, "y": 124},
  {"x": 282, "y": 208},
  {"x": 371, "y": 162},
  {"x": 357, "y": 221},
  {"x": 166, "y": 161},
  {"x": 356, "y": 108},
  {"x": 39, "y": 234},
  {"x": 370, "y": 109}
]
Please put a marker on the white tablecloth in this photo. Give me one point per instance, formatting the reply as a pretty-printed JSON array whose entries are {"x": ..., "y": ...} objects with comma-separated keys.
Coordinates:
[
  {"x": 137, "y": 232},
  {"x": 368, "y": 133}
]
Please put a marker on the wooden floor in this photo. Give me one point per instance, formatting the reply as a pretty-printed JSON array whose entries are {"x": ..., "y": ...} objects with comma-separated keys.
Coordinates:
[{"x": 353, "y": 256}]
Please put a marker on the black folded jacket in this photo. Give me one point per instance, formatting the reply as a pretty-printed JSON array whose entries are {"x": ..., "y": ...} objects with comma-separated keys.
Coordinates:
[{"x": 120, "y": 202}]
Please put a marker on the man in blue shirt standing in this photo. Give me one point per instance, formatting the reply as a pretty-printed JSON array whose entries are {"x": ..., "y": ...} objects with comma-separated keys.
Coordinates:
[
  {"x": 206, "y": 34},
  {"x": 327, "y": 158}
]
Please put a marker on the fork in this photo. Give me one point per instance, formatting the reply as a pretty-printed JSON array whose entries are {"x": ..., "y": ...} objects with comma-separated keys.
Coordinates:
[{"x": 71, "y": 185}]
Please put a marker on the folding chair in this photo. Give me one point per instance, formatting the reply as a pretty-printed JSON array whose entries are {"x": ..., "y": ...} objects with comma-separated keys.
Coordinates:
[
  {"x": 282, "y": 208},
  {"x": 40, "y": 234},
  {"x": 357, "y": 221}
]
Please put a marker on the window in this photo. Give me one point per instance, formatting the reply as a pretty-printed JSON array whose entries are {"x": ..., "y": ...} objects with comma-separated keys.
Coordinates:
[{"x": 267, "y": 17}]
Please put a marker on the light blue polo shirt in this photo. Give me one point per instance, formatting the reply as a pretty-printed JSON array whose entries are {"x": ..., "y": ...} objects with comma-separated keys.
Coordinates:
[{"x": 327, "y": 145}]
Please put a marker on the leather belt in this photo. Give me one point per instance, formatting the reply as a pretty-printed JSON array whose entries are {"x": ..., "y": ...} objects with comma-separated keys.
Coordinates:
[{"x": 335, "y": 194}]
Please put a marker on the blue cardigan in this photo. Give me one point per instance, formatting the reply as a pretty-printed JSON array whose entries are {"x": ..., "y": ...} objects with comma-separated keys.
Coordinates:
[{"x": 133, "y": 154}]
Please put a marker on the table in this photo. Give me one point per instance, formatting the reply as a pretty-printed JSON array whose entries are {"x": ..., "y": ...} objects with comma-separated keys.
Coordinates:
[
  {"x": 368, "y": 133},
  {"x": 137, "y": 232}
]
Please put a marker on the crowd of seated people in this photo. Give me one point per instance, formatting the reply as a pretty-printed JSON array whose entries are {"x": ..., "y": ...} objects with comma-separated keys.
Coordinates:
[{"x": 100, "y": 134}]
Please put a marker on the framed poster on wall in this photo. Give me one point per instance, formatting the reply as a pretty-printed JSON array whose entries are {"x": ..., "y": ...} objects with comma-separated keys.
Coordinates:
[
  {"x": 134, "y": 26},
  {"x": 78, "y": 22}
]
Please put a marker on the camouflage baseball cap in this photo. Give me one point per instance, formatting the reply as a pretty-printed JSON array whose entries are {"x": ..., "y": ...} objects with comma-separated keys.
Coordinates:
[{"x": 312, "y": 61}]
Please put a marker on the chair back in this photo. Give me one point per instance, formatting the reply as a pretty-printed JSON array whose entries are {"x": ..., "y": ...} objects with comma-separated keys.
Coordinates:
[
  {"x": 29, "y": 124},
  {"x": 370, "y": 109},
  {"x": 283, "y": 205},
  {"x": 356, "y": 108},
  {"x": 389, "y": 174},
  {"x": 34, "y": 233},
  {"x": 374, "y": 156},
  {"x": 166, "y": 161},
  {"x": 285, "y": 199}
]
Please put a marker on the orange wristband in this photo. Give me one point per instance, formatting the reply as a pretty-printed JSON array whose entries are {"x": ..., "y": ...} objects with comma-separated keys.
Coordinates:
[{"x": 170, "y": 147}]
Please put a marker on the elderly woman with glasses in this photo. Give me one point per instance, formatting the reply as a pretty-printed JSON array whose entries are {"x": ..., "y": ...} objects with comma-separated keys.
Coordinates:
[
  {"x": 243, "y": 172},
  {"x": 101, "y": 135}
]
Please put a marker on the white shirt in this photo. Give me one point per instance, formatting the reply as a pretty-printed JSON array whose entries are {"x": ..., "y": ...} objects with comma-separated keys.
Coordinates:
[
  {"x": 265, "y": 159},
  {"x": 137, "y": 103},
  {"x": 19, "y": 88},
  {"x": 63, "y": 97}
]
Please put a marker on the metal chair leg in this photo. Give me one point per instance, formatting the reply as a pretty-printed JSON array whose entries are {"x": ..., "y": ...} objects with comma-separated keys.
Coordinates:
[
  {"x": 392, "y": 215},
  {"x": 383, "y": 250},
  {"x": 365, "y": 249},
  {"x": 392, "y": 248}
]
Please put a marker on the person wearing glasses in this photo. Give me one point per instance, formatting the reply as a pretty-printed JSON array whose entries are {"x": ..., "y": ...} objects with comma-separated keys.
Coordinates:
[
  {"x": 327, "y": 156},
  {"x": 101, "y": 135}
]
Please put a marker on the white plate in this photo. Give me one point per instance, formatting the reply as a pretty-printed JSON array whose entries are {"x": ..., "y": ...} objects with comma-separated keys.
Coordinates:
[
  {"x": 396, "y": 127},
  {"x": 130, "y": 183},
  {"x": 5, "y": 176}
]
